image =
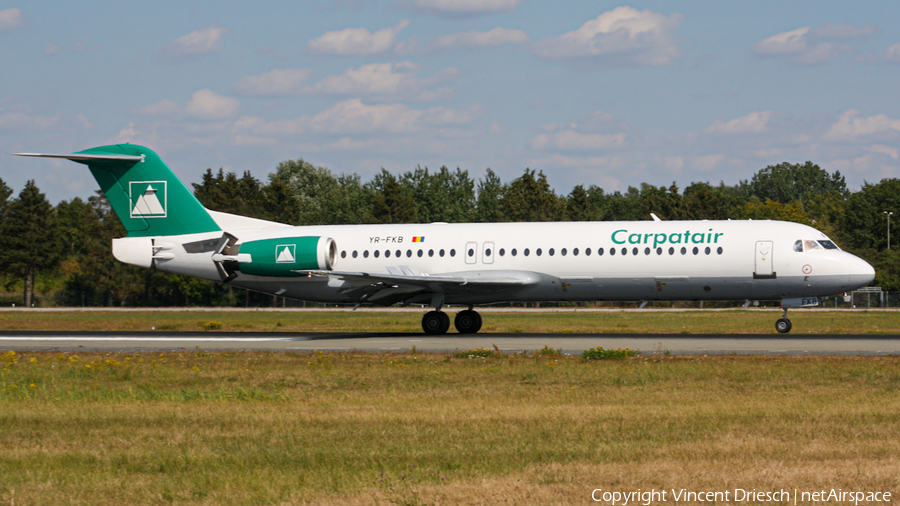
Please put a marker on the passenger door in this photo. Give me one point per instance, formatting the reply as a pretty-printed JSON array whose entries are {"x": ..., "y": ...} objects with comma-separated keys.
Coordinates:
[
  {"x": 487, "y": 253},
  {"x": 764, "y": 266},
  {"x": 471, "y": 252}
]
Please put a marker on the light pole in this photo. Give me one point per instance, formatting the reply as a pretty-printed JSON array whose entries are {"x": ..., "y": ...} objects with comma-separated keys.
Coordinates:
[{"x": 889, "y": 213}]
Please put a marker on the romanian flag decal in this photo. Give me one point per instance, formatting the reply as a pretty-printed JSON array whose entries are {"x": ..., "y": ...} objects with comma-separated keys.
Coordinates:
[{"x": 420, "y": 238}]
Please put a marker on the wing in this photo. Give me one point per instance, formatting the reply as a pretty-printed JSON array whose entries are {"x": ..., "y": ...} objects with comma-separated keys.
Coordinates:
[{"x": 407, "y": 286}]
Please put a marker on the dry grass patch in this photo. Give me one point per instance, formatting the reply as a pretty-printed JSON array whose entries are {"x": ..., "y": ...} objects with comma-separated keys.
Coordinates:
[{"x": 281, "y": 428}]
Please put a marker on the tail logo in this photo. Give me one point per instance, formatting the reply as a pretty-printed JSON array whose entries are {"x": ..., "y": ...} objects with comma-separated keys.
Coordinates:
[
  {"x": 149, "y": 199},
  {"x": 285, "y": 253}
]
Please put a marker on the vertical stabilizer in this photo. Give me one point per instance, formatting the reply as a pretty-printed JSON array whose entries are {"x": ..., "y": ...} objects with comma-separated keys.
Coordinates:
[{"x": 144, "y": 193}]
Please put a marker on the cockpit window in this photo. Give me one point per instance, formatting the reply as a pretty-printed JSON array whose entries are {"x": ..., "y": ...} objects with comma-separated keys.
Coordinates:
[{"x": 809, "y": 245}]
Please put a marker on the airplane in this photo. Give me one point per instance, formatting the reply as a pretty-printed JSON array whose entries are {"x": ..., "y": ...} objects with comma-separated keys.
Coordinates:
[{"x": 468, "y": 264}]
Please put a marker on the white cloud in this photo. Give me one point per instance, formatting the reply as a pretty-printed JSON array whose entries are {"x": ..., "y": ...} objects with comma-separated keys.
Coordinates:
[
  {"x": 162, "y": 108},
  {"x": 459, "y": 8},
  {"x": 20, "y": 121},
  {"x": 621, "y": 37},
  {"x": 356, "y": 41},
  {"x": 208, "y": 105},
  {"x": 850, "y": 125},
  {"x": 277, "y": 83},
  {"x": 10, "y": 18},
  {"x": 570, "y": 140},
  {"x": 885, "y": 150},
  {"x": 892, "y": 54},
  {"x": 196, "y": 44},
  {"x": 812, "y": 46},
  {"x": 386, "y": 80},
  {"x": 753, "y": 123},
  {"x": 353, "y": 117},
  {"x": 466, "y": 40}
]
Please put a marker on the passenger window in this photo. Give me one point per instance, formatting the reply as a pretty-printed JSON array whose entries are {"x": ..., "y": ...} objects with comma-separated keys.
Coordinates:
[
  {"x": 587, "y": 251},
  {"x": 527, "y": 252},
  {"x": 552, "y": 251},
  {"x": 487, "y": 252},
  {"x": 441, "y": 253},
  {"x": 453, "y": 252},
  {"x": 798, "y": 246},
  {"x": 671, "y": 250},
  {"x": 612, "y": 251},
  {"x": 683, "y": 250},
  {"x": 502, "y": 252},
  {"x": 354, "y": 253},
  {"x": 471, "y": 252},
  {"x": 634, "y": 251},
  {"x": 420, "y": 253},
  {"x": 719, "y": 250},
  {"x": 538, "y": 252},
  {"x": 659, "y": 251},
  {"x": 600, "y": 252},
  {"x": 376, "y": 253},
  {"x": 574, "y": 252},
  {"x": 624, "y": 251},
  {"x": 431, "y": 252},
  {"x": 387, "y": 253},
  {"x": 343, "y": 254},
  {"x": 646, "y": 251},
  {"x": 366, "y": 254},
  {"x": 696, "y": 250},
  {"x": 707, "y": 250},
  {"x": 398, "y": 253},
  {"x": 408, "y": 253},
  {"x": 562, "y": 252},
  {"x": 513, "y": 252}
]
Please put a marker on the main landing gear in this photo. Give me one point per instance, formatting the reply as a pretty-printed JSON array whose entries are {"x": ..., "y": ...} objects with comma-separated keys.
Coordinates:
[
  {"x": 437, "y": 322},
  {"x": 783, "y": 325}
]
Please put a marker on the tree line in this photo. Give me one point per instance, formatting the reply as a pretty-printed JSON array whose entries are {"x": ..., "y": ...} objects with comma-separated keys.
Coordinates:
[{"x": 65, "y": 250}]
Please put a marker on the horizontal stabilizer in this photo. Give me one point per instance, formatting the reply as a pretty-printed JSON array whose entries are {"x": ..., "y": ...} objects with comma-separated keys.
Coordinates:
[{"x": 85, "y": 158}]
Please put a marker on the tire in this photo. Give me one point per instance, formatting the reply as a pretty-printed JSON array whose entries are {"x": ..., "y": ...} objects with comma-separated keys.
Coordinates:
[
  {"x": 435, "y": 323},
  {"x": 467, "y": 322},
  {"x": 783, "y": 325}
]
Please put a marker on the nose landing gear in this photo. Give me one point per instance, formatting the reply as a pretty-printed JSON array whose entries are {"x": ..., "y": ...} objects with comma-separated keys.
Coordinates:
[{"x": 783, "y": 325}]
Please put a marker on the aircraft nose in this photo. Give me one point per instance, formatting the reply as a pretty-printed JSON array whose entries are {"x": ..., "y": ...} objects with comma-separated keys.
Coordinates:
[{"x": 861, "y": 273}]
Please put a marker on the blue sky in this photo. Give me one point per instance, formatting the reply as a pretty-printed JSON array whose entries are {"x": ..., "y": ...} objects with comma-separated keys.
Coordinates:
[{"x": 589, "y": 92}]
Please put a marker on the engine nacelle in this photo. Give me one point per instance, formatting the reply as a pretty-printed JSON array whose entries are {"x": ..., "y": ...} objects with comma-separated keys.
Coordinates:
[{"x": 284, "y": 255}]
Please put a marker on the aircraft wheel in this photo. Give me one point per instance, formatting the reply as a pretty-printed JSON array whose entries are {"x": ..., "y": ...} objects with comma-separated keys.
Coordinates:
[
  {"x": 783, "y": 325},
  {"x": 467, "y": 322},
  {"x": 435, "y": 323}
]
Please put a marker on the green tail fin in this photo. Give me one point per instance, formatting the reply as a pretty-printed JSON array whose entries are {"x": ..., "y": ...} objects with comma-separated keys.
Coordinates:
[{"x": 144, "y": 193}]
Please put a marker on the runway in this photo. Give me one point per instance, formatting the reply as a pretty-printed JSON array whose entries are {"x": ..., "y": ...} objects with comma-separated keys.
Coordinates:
[{"x": 571, "y": 344}]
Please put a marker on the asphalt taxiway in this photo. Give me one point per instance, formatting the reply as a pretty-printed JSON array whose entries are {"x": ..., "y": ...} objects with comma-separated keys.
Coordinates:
[{"x": 675, "y": 344}]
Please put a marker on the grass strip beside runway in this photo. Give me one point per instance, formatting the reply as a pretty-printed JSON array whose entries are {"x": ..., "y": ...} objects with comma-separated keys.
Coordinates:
[
  {"x": 644, "y": 322},
  {"x": 286, "y": 428}
]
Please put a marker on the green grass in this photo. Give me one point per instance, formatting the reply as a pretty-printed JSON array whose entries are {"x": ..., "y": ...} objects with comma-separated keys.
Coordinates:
[
  {"x": 690, "y": 322},
  {"x": 285, "y": 428}
]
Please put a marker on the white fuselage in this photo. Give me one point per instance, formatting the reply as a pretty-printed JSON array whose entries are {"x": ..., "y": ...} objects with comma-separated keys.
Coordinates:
[{"x": 574, "y": 261}]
